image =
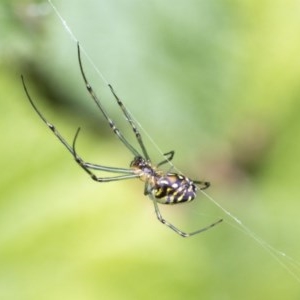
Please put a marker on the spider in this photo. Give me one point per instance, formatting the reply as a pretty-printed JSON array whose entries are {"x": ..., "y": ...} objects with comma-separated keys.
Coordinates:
[{"x": 162, "y": 188}]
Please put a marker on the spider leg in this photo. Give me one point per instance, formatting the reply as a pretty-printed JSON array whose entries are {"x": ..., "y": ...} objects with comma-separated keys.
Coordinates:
[
  {"x": 178, "y": 231},
  {"x": 50, "y": 125},
  {"x": 87, "y": 166},
  {"x": 205, "y": 184},
  {"x": 71, "y": 149},
  {"x": 168, "y": 159},
  {"x": 131, "y": 122},
  {"x": 99, "y": 104}
]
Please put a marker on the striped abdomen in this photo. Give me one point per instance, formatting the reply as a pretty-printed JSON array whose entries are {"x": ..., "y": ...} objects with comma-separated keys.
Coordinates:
[{"x": 173, "y": 188}]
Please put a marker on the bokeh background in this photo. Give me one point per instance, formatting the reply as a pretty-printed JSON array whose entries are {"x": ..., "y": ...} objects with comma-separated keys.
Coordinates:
[{"x": 216, "y": 81}]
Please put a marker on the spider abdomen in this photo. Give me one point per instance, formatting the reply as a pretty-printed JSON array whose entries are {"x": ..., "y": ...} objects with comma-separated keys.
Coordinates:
[{"x": 174, "y": 188}]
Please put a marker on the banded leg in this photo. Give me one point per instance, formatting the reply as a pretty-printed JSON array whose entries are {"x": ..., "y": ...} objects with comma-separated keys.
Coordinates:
[
  {"x": 131, "y": 122},
  {"x": 168, "y": 159},
  {"x": 98, "y": 103},
  {"x": 50, "y": 125},
  {"x": 178, "y": 231},
  {"x": 128, "y": 173},
  {"x": 71, "y": 149}
]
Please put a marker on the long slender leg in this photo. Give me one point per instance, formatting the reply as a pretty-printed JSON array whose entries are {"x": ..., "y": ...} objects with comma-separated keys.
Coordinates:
[
  {"x": 50, "y": 125},
  {"x": 178, "y": 231},
  {"x": 131, "y": 122},
  {"x": 129, "y": 172},
  {"x": 87, "y": 166},
  {"x": 168, "y": 159},
  {"x": 98, "y": 103}
]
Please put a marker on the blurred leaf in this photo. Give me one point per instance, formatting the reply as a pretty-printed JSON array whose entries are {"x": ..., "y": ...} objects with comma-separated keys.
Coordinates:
[{"x": 215, "y": 81}]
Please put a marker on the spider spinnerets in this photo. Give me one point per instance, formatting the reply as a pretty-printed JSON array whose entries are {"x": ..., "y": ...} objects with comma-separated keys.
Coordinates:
[{"x": 163, "y": 188}]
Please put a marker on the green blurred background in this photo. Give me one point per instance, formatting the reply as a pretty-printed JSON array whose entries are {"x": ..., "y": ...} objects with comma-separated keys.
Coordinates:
[{"x": 216, "y": 81}]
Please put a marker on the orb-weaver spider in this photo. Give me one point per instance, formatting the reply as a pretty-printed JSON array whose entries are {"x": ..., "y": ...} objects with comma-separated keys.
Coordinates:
[{"x": 163, "y": 188}]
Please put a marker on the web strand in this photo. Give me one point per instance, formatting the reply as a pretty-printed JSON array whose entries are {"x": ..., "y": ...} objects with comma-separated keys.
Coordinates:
[
  {"x": 75, "y": 40},
  {"x": 288, "y": 263},
  {"x": 291, "y": 265}
]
